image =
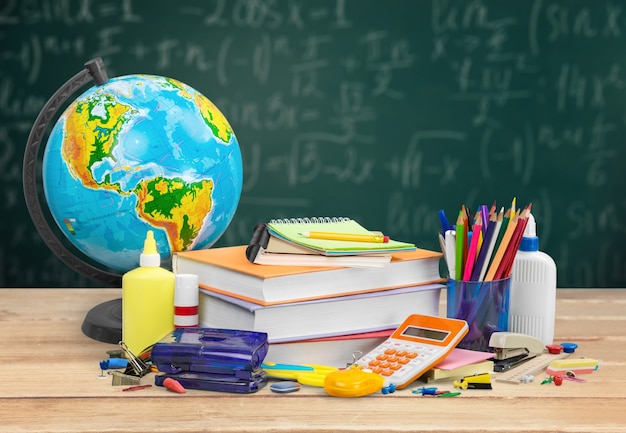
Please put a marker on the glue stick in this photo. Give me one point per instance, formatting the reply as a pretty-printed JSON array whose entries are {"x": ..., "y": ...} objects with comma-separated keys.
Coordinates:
[
  {"x": 533, "y": 289},
  {"x": 147, "y": 300},
  {"x": 186, "y": 301}
]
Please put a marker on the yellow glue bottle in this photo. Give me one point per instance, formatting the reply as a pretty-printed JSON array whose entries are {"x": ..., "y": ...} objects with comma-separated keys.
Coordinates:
[{"x": 147, "y": 300}]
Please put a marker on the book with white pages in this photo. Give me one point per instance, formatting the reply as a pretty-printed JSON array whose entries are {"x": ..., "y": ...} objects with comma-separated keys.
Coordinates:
[{"x": 319, "y": 318}]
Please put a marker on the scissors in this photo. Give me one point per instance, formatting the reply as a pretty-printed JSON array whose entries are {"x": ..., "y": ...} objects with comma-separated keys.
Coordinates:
[{"x": 306, "y": 374}]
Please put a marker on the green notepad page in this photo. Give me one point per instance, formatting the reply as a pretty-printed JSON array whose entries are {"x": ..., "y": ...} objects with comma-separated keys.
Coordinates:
[{"x": 290, "y": 230}]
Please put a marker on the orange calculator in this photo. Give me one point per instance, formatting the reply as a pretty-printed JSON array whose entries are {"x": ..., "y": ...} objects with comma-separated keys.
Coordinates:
[{"x": 418, "y": 344}]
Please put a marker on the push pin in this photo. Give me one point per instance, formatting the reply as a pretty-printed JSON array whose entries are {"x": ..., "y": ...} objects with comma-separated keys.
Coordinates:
[
  {"x": 527, "y": 378},
  {"x": 569, "y": 347},
  {"x": 388, "y": 389}
]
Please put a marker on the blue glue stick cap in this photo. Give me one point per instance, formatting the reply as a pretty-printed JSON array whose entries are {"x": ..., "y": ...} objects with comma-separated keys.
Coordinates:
[{"x": 113, "y": 363}]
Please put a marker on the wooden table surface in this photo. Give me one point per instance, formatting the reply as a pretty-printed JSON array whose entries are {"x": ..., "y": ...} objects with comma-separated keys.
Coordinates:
[{"x": 50, "y": 381}]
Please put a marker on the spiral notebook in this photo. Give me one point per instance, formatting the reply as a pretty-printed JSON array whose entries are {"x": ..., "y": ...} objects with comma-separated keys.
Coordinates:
[
  {"x": 265, "y": 249},
  {"x": 290, "y": 230}
]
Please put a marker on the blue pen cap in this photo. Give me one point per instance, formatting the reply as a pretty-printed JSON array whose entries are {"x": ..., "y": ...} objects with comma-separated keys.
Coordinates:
[{"x": 530, "y": 241}]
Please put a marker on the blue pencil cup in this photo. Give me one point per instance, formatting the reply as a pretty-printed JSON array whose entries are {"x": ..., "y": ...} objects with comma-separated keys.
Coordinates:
[{"x": 484, "y": 305}]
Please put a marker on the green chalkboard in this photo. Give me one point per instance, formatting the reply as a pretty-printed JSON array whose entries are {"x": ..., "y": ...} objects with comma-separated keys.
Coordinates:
[{"x": 382, "y": 111}]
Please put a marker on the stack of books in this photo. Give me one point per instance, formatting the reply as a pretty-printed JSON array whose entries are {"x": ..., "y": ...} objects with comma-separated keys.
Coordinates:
[{"x": 313, "y": 314}]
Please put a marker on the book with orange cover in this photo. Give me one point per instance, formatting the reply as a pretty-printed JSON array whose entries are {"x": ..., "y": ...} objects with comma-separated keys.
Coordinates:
[{"x": 226, "y": 270}]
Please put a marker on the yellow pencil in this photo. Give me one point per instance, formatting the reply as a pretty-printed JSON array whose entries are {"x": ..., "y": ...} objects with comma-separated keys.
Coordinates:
[{"x": 351, "y": 237}]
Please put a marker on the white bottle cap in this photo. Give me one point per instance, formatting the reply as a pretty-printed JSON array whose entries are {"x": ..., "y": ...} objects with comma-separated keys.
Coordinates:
[
  {"x": 186, "y": 290},
  {"x": 186, "y": 301}
]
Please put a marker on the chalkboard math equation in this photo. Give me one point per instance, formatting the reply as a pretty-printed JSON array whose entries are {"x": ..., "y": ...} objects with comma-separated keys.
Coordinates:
[{"x": 384, "y": 113}]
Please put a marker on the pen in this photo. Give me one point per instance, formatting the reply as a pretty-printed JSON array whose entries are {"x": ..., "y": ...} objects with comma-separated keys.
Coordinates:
[
  {"x": 445, "y": 225},
  {"x": 351, "y": 237}
]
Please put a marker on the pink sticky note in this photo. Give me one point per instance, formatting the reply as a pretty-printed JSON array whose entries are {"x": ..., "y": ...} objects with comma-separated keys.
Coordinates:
[{"x": 462, "y": 357}]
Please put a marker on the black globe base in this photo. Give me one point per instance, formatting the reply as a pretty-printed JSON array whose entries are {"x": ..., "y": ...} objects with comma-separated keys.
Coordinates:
[{"x": 104, "y": 322}]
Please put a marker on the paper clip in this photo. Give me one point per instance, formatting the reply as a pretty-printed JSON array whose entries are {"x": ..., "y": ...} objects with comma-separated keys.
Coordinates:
[{"x": 356, "y": 355}]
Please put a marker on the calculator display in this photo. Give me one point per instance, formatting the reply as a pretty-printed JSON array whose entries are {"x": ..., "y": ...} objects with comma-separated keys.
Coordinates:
[{"x": 431, "y": 334}]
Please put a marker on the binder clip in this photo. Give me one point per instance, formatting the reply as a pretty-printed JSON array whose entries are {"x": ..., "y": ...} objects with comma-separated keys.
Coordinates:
[
  {"x": 136, "y": 367},
  {"x": 118, "y": 379}
]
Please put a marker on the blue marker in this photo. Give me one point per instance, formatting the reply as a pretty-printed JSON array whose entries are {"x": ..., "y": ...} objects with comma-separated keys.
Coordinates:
[{"x": 445, "y": 225}]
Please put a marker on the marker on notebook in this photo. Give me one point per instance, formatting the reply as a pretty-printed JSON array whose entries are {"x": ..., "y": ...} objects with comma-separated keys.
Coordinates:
[{"x": 352, "y": 237}]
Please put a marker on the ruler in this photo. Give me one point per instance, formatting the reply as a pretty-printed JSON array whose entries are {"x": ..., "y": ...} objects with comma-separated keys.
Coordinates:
[{"x": 532, "y": 366}]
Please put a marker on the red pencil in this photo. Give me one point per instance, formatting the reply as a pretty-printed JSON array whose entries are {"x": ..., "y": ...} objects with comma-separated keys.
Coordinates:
[
  {"x": 473, "y": 249},
  {"x": 506, "y": 266}
]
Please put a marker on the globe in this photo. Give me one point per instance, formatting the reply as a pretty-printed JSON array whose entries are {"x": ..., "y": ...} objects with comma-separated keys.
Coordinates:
[{"x": 139, "y": 153}]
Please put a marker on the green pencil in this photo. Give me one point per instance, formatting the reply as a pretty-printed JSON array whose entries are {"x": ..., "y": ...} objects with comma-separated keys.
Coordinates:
[
  {"x": 460, "y": 247},
  {"x": 505, "y": 223}
]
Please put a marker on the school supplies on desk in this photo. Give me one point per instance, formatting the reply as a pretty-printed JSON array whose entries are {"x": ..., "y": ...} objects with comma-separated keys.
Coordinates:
[
  {"x": 227, "y": 270},
  {"x": 340, "y": 236},
  {"x": 322, "y": 317}
]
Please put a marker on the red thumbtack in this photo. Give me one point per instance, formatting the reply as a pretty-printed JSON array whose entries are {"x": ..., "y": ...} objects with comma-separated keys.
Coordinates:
[{"x": 173, "y": 385}]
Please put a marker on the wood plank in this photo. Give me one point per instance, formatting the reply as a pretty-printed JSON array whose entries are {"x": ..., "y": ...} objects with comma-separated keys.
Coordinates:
[{"x": 54, "y": 373}]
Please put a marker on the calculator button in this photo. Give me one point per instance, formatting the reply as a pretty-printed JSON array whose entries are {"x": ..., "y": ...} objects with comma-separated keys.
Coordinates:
[
  {"x": 396, "y": 366},
  {"x": 411, "y": 355},
  {"x": 386, "y": 372},
  {"x": 377, "y": 370},
  {"x": 374, "y": 363},
  {"x": 393, "y": 359},
  {"x": 382, "y": 357},
  {"x": 401, "y": 353},
  {"x": 404, "y": 360},
  {"x": 390, "y": 351},
  {"x": 384, "y": 364}
]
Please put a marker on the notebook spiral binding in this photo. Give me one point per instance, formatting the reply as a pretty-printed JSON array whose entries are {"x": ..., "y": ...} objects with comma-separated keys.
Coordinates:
[{"x": 308, "y": 220}]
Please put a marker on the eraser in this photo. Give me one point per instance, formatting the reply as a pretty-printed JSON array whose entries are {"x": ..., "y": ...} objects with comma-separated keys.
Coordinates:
[
  {"x": 285, "y": 387},
  {"x": 174, "y": 385}
]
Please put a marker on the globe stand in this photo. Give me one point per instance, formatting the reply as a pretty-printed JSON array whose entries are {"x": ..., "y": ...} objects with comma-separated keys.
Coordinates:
[{"x": 103, "y": 322}]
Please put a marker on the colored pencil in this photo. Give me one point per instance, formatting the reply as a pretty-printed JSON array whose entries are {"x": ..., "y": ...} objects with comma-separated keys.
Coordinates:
[
  {"x": 505, "y": 223},
  {"x": 460, "y": 241},
  {"x": 473, "y": 248},
  {"x": 487, "y": 248},
  {"x": 506, "y": 239},
  {"x": 507, "y": 264}
]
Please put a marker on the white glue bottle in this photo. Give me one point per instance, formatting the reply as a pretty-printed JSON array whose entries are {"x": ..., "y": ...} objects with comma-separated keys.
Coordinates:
[
  {"x": 533, "y": 289},
  {"x": 147, "y": 300}
]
